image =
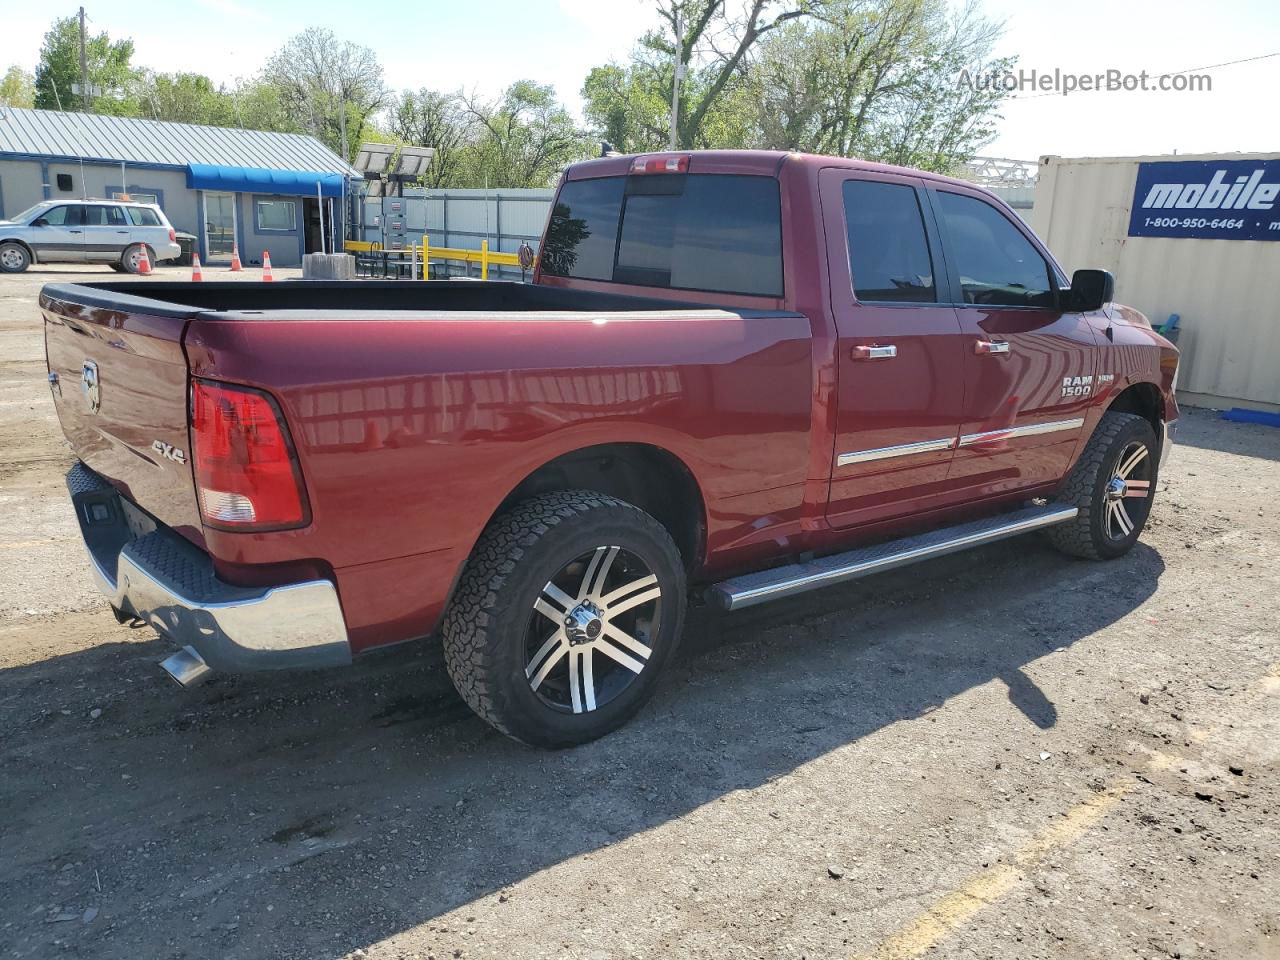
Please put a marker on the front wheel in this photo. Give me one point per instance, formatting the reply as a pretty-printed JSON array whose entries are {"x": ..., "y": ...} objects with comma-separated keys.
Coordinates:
[
  {"x": 1112, "y": 484},
  {"x": 566, "y": 614},
  {"x": 14, "y": 258}
]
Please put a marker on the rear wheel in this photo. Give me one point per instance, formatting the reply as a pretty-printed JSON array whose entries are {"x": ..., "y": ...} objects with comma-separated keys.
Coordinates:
[
  {"x": 131, "y": 259},
  {"x": 568, "y": 610},
  {"x": 117, "y": 267},
  {"x": 14, "y": 257},
  {"x": 1112, "y": 484}
]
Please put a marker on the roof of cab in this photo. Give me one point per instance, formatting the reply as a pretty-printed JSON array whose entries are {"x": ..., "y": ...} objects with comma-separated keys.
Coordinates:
[{"x": 758, "y": 162}]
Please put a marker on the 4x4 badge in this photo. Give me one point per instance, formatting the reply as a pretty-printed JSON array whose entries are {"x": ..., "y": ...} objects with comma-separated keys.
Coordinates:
[
  {"x": 168, "y": 451},
  {"x": 90, "y": 386}
]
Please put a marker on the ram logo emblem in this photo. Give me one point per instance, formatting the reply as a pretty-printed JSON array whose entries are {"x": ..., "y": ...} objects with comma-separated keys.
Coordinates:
[{"x": 1077, "y": 386}]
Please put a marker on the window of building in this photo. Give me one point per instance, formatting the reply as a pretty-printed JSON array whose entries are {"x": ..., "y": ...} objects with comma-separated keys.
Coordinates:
[
  {"x": 998, "y": 265},
  {"x": 276, "y": 214},
  {"x": 888, "y": 251},
  {"x": 65, "y": 183},
  {"x": 137, "y": 197},
  {"x": 143, "y": 217}
]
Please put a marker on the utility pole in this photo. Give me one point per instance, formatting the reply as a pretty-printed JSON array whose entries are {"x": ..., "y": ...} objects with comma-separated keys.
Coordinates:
[
  {"x": 84, "y": 66},
  {"x": 675, "y": 83},
  {"x": 342, "y": 129}
]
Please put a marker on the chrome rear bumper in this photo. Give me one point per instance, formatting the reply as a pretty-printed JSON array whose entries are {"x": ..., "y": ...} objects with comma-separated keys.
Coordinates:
[{"x": 159, "y": 577}]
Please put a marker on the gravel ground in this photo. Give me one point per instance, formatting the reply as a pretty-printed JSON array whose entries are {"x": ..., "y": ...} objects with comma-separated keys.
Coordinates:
[{"x": 1002, "y": 754}]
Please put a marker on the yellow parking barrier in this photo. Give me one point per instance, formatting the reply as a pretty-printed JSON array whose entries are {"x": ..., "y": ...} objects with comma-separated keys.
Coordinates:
[{"x": 484, "y": 256}]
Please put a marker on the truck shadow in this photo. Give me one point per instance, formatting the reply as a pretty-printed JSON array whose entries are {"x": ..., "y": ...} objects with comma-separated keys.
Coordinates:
[{"x": 370, "y": 801}]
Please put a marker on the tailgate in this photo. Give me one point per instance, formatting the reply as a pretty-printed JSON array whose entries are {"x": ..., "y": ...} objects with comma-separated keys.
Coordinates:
[{"x": 121, "y": 396}]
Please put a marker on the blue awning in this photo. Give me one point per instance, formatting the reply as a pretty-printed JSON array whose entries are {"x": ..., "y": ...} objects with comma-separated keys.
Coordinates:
[{"x": 293, "y": 183}]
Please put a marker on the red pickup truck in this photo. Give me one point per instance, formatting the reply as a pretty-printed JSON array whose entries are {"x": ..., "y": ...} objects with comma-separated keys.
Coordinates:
[{"x": 743, "y": 373}]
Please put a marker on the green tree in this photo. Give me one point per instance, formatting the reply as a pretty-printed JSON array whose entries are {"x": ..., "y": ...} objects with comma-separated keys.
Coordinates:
[
  {"x": 522, "y": 139},
  {"x": 111, "y": 72},
  {"x": 877, "y": 79},
  {"x": 18, "y": 88},
  {"x": 428, "y": 118},
  {"x": 631, "y": 105},
  {"x": 185, "y": 98},
  {"x": 327, "y": 85}
]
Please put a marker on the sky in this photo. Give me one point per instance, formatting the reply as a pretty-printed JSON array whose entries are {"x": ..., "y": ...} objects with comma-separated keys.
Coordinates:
[{"x": 483, "y": 47}]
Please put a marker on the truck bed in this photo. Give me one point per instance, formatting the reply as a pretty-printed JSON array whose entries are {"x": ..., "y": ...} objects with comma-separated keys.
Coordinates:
[{"x": 163, "y": 299}]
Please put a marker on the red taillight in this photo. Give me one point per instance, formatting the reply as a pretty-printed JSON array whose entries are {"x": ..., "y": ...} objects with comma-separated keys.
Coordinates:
[
  {"x": 661, "y": 163},
  {"x": 173, "y": 236},
  {"x": 246, "y": 474}
]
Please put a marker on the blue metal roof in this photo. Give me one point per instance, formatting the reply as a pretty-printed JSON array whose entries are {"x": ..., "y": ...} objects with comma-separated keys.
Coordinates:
[
  {"x": 293, "y": 183},
  {"x": 90, "y": 136}
]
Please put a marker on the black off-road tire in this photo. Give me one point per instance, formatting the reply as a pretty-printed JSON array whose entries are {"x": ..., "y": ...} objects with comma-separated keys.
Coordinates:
[
  {"x": 485, "y": 627},
  {"x": 1086, "y": 536}
]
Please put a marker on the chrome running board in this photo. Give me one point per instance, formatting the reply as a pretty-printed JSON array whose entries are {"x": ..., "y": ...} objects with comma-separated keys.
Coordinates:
[{"x": 752, "y": 588}]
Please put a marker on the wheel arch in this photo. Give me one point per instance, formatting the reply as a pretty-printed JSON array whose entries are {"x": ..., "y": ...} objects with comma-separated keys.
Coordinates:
[
  {"x": 1143, "y": 399},
  {"x": 649, "y": 476}
]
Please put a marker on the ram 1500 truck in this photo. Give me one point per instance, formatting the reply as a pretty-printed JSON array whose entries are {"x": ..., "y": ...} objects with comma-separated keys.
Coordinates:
[{"x": 748, "y": 374}]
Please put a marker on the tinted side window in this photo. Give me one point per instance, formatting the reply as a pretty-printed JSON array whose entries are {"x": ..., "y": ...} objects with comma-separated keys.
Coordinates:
[
  {"x": 888, "y": 251},
  {"x": 143, "y": 217},
  {"x": 583, "y": 229},
  {"x": 99, "y": 216},
  {"x": 708, "y": 232},
  {"x": 997, "y": 264},
  {"x": 68, "y": 216},
  {"x": 720, "y": 233}
]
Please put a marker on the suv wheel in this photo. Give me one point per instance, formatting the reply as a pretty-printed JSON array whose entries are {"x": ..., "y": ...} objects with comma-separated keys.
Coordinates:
[
  {"x": 14, "y": 258},
  {"x": 1113, "y": 485},
  {"x": 568, "y": 610},
  {"x": 131, "y": 259}
]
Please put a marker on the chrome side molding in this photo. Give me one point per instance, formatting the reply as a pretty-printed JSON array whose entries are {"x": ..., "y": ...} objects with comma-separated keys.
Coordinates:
[
  {"x": 902, "y": 450},
  {"x": 1028, "y": 430},
  {"x": 750, "y": 589}
]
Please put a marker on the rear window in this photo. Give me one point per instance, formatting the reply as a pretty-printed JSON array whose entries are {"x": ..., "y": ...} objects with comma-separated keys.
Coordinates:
[
  {"x": 709, "y": 232},
  {"x": 143, "y": 217}
]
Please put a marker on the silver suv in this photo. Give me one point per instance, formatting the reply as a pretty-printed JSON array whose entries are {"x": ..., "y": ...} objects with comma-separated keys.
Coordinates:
[{"x": 113, "y": 232}]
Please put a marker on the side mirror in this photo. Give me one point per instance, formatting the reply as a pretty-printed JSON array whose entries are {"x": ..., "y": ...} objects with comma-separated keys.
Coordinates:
[
  {"x": 1090, "y": 289},
  {"x": 40, "y": 222}
]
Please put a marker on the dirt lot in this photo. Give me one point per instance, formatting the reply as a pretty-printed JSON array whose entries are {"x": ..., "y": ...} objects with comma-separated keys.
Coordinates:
[{"x": 1002, "y": 754}]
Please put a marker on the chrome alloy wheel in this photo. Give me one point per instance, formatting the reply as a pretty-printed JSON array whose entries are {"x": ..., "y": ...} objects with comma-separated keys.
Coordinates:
[
  {"x": 602, "y": 610},
  {"x": 1128, "y": 492}
]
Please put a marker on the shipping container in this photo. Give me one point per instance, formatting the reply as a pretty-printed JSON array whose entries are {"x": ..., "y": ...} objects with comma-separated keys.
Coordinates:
[{"x": 1101, "y": 212}]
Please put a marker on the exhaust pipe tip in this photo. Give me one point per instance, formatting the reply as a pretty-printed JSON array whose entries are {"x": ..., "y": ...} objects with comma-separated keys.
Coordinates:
[{"x": 186, "y": 668}]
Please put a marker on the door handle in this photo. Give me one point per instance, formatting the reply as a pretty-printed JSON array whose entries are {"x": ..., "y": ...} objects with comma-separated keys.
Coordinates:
[
  {"x": 73, "y": 231},
  {"x": 991, "y": 346},
  {"x": 870, "y": 352}
]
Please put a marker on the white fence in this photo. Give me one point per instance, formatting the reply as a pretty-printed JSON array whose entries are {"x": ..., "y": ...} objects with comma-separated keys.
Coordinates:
[{"x": 458, "y": 218}]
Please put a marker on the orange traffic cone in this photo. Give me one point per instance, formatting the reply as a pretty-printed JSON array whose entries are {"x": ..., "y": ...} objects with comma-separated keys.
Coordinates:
[
  {"x": 235, "y": 259},
  {"x": 196, "y": 273},
  {"x": 266, "y": 266},
  {"x": 144, "y": 263}
]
